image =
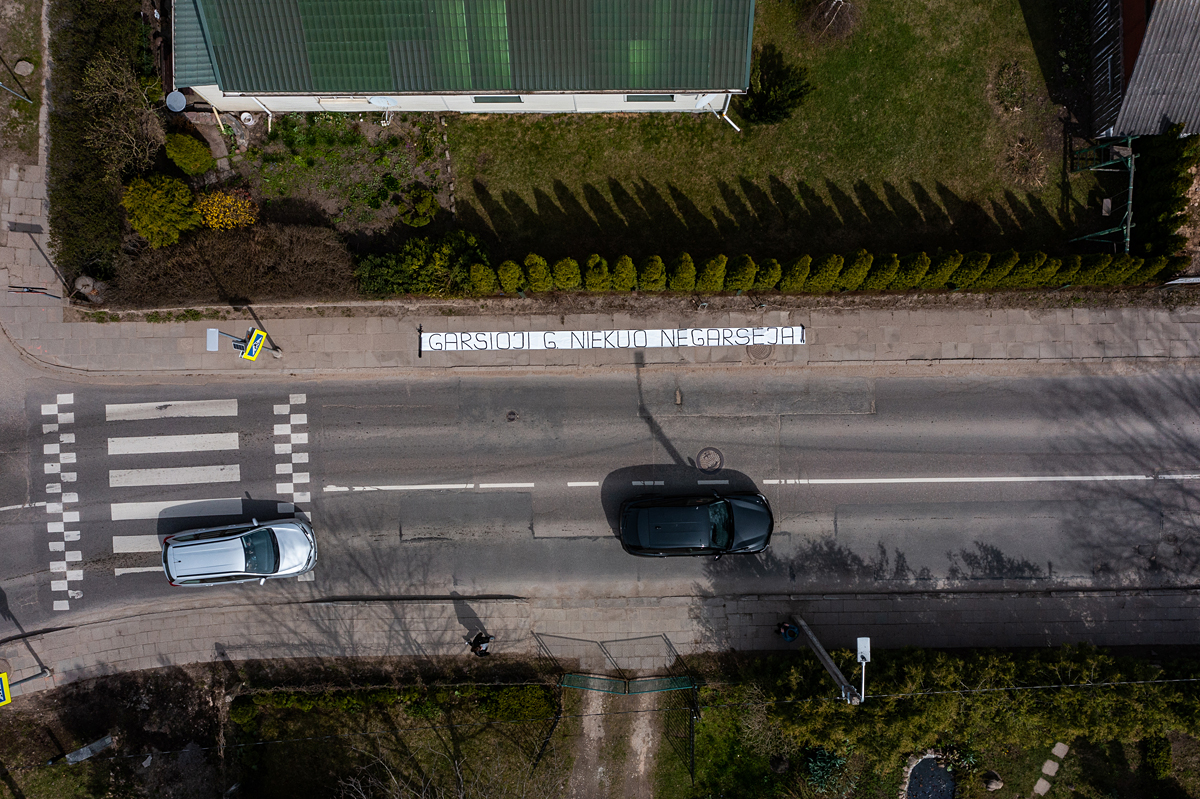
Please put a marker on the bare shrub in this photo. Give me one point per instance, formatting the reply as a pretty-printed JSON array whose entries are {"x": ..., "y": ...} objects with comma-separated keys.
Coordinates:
[
  {"x": 124, "y": 130},
  {"x": 1026, "y": 163},
  {"x": 1010, "y": 88},
  {"x": 835, "y": 19},
  {"x": 762, "y": 733},
  {"x": 267, "y": 262}
]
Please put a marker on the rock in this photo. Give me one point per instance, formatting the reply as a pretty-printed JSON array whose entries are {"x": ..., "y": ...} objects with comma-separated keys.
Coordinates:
[
  {"x": 23, "y": 68},
  {"x": 992, "y": 781}
]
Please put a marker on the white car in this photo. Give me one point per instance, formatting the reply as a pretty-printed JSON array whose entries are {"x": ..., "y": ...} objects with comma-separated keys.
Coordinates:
[{"x": 240, "y": 553}]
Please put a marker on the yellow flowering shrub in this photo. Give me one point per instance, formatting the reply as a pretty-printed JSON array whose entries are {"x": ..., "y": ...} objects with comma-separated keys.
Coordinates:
[{"x": 227, "y": 209}]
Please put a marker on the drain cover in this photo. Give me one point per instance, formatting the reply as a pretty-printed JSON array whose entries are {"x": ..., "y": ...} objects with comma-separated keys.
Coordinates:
[
  {"x": 759, "y": 352},
  {"x": 512, "y": 416},
  {"x": 710, "y": 460}
]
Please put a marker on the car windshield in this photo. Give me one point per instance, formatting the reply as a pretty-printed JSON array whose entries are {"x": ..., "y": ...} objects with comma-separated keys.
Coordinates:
[
  {"x": 722, "y": 524},
  {"x": 262, "y": 551}
]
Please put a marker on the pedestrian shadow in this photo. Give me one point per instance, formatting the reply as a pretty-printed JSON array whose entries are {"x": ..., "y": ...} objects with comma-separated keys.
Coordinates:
[{"x": 467, "y": 617}]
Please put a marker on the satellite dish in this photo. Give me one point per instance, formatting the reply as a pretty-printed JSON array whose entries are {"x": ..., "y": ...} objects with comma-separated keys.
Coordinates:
[
  {"x": 383, "y": 102},
  {"x": 176, "y": 102}
]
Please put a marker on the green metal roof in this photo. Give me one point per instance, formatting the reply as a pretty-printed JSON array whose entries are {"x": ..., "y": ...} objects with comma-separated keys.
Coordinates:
[
  {"x": 386, "y": 46},
  {"x": 193, "y": 66}
]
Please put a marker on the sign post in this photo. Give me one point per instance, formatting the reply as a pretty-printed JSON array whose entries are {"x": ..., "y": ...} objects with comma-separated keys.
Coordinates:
[
  {"x": 864, "y": 657},
  {"x": 254, "y": 341},
  {"x": 247, "y": 347}
]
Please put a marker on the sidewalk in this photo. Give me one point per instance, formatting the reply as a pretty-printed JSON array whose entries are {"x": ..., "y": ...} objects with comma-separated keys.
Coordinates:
[
  {"x": 600, "y": 635},
  {"x": 387, "y": 341}
]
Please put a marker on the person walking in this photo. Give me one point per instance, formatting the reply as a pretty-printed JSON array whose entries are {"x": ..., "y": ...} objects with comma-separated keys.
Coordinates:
[
  {"x": 480, "y": 643},
  {"x": 789, "y": 631}
]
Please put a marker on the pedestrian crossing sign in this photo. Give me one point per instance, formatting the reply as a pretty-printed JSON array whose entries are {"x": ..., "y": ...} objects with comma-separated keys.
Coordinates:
[
  {"x": 254, "y": 343},
  {"x": 5, "y": 696}
]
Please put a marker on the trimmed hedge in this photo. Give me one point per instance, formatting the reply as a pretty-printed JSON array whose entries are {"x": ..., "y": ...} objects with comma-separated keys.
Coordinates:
[
  {"x": 483, "y": 280},
  {"x": 911, "y": 273},
  {"x": 883, "y": 272},
  {"x": 769, "y": 274},
  {"x": 512, "y": 279},
  {"x": 566, "y": 274},
  {"x": 682, "y": 274},
  {"x": 823, "y": 274},
  {"x": 595, "y": 276},
  {"x": 537, "y": 273},
  {"x": 855, "y": 272},
  {"x": 624, "y": 275},
  {"x": 461, "y": 267},
  {"x": 653, "y": 274},
  {"x": 740, "y": 274},
  {"x": 711, "y": 276}
]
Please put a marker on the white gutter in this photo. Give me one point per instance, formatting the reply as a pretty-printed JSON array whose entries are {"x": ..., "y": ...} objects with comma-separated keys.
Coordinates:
[{"x": 270, "y": 116}]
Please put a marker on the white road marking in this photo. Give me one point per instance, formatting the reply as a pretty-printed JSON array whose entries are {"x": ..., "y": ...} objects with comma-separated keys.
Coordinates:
[
  {"x": 19, "y": 507},
  {"x": 647, "y": 482},
  {"x": 137, "y": 570},
  {"x": 506, "y": 485},
  {"x": 136, "y": 543},
  {"x": 176, "y": 509},
  {"x": 144, "y": 445},
  {"x": 438, "y": 487},
  {"x": 595, "y": 484},
  {"x": 712, "y": 482},
  {"x": 1067, "y": 478},
  {"x": 137, "y": 411},
  {"x": 183, "y": 475}
]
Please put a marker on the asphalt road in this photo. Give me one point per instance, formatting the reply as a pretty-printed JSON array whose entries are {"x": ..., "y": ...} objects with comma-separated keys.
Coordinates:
[{"x": 508, "y": 485}]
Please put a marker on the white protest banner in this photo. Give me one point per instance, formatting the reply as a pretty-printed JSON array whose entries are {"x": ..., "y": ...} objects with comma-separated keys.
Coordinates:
[{"x": 610, "y": 339}]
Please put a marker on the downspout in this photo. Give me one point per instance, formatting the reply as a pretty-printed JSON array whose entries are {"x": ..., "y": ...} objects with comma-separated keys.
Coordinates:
[{"x": 270, "y": 116}]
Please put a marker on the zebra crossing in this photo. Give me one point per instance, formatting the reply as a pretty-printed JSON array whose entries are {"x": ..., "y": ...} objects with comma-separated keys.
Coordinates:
[{"x": 137, "y": 463}]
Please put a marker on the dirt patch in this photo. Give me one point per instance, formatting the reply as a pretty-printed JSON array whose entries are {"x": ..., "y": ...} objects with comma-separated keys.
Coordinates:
[
  {"x": 589, "y": 779},
  {"x": 645, "y": 305},
  {"x": 644, "y": 732}
]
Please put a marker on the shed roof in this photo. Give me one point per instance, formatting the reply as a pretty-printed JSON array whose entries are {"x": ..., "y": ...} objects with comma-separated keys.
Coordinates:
[
  {"x": 1166, "y": 77},
  {"x": 469, "y": 46}
]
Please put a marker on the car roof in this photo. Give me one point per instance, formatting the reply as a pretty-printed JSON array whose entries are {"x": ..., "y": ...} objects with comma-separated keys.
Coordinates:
[
  {"x": 207, "y": 558},
  {"x": 677, "y": 526}
]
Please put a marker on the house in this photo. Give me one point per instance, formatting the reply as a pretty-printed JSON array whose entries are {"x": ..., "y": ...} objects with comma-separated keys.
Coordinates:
[
  {"x": 462, "y": 55},
  {"x": 1145, "y": 66}
]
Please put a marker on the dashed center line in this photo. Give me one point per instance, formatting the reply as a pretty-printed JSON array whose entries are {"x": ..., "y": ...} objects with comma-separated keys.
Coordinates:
[
  {"x": 432, "y": 487},
  {"x": 506, "y": 485}
]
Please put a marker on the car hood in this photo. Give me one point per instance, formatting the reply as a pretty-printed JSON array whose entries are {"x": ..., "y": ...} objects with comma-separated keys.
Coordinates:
[
  {"x": 295, "y": 548},
  {"x": 672, "y": 528},
  {"x": 752, "y": 525}
]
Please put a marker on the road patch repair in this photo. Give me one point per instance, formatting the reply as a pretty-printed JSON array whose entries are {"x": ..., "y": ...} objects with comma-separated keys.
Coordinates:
[{"x": 612, "y": 339}]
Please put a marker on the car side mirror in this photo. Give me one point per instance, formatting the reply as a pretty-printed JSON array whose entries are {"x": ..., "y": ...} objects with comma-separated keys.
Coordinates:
[
  {"x": 263, "y": 581},
  {"x": 717, "y": 557}
]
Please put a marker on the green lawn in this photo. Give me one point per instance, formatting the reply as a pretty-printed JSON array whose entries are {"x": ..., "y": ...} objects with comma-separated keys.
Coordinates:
[{"x": 899, "y": 147}]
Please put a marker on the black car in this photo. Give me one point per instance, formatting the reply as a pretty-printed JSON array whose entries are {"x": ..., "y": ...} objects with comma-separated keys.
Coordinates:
[{"x": 699, "y": 525}]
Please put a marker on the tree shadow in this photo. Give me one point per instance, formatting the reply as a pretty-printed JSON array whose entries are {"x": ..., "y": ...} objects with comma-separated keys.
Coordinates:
[{"x": 772, "y": 218}]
